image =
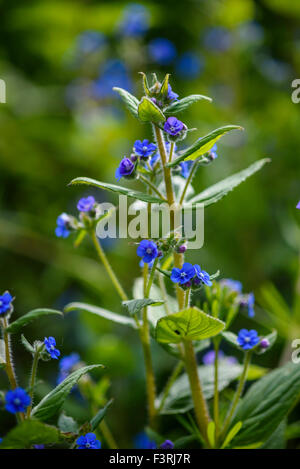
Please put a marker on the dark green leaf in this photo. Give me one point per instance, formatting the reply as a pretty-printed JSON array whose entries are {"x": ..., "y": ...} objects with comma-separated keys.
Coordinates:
[
  {"x": 118, "y": 189},
  {"x": 131, "y": 102},
  {"x": 277, "y": 439},
  {"x": 103, "y": 313},
  {"x": 31, "y": 316},
  {"x": 27, "y": 344},
  {"x": 100, "y": 415},
  {"x": 149, "y": 112},
  {"x": 53, "y": 401},
  {"x": 133, "y": 307},
  {"x": 67, "y": 424},
  {"x": 182, "y": 104},
  {"x": 28, "y": 433}
]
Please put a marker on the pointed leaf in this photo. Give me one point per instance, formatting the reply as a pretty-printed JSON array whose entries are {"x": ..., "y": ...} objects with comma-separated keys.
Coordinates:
[
  {"x": 182, "y": 104},
  {"x": 28, "y": 433},
  {"x": 114, "y": 188},
  {"x": 100, "y": 415},
  {"x": 67, "y": 424},
  {"x": 131, "y": 102},
  {"x": 189, "y": 324},
  {"x": 135, "y": 306},
  {"x": 231, "y": 434},
  {"x": 165, "y": 86},
  {"x": 27, "y": 344},
  {"x": 29, "y": 317},
  {"x": 204, "y": 144},
  {"x": 103, "y": 313},
  {"x": 149, "y": 112},
  {"x": 53, "y": 401}
]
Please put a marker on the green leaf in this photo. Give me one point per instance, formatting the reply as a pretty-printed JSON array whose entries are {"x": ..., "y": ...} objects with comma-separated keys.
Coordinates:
[
  {"x": 118, "y": 189},
  {"x": 27, "y": 344},
  {"x": 182, "y": 104},
  {"x": 53, "y": 401},
  {"x": 272, "y": 337},
  {"x": 231, "y": 434},
  {"x": 28, "y": 433},
  {"x": 216, "y": 192},
  {"x": 131, "y": 102},
  {"x": 100, "y": 415},
  {"x": 133, "y": 307},
  {"x": 145, "y": 84},
  {"x": 67, "y": 424},
  {"x": 31, "y": 316},
  {"x": 103, "y": 313},
  {"x": 180, "y": 400},
  {"x": 149, "y": 112},
  {"x": 2, "y": 354},
  {"x": 293, "y": 431},
  {"x": 277, "y": 439},
  {"x": 189, "y": 324},
  {"x": 165, "y": 86},
  {"x": 231, "y": 338},
  {"x": 267, "y": 403},
  {"x": 203, "y": 145},
  {"x": 211, "y": 428}
]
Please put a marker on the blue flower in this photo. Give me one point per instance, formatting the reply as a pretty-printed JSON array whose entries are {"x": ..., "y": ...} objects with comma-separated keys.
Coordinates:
[
  {"x": 233, "y": 285},
  {"x": 135, "y": 21},
  {"x": 90, "y": 41},
  {"x": 173, "y": 126},
  {"x": 189, "y": 65},
  {"x": 39, "y": 446},
  {"x": 185, "y": 168},
  {"x": 213, "y": 152},
  {"x": 218, "y": 39},
  {"x": 142, "y": 441},
  {"x": 63, "y": 226},
  {"x": 66, "y": 364},
  {"x": 50, "y": 344},
  {"x": 172, "y": 96},
  {"x": 86, "y": 204},
  {"x": 147, "y": 249},
  {"x": 247, "y": 339},
  {"x": 298, "y": 205},
  {"x": 17, "y": 400},
  {"x": 209, "y": 358},
  {"x": 251, "y": 302},
  {"x": 162, "y": 51},
  {"x": 113, "y": 73},
  {"x": 168, "y": 444},
  {"x": 1, "y": 439},
  {"x": 5, "y": 302},
  {"x": 183, "y": 275},
  {"x": 202, "y": 275},
  {"x": 88, "y": 441},
  {"x": 125, "y": 168},
  {"x": 144, "y": 148}
]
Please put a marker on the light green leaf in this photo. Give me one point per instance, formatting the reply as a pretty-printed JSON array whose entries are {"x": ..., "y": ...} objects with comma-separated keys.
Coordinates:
[
  {"x": 231, "y": 434},
  {"x": 216, "y": 192},
  {"x": 31, "y": 316},
  {"x": 100, "y": 415},
  {"x": 2, "y": 354},
  {"x": 204, "y": 144},
  {"x": 211, "y": 428},
  {"x": 118, "y": 189},
  {"x": 189, "y": 324},
  {"x": 231, "y": 338},
  {"x": 131, "y": 102},
  {"x": 53, "y": 401},
  {"x": 149, "y": 112},
  {"x": 182, "y": 104},
  {"x": 28, "y": 433},
  {"x": 133, "y": 307},
  {"x": 103, "y": 313},
  {"x": 67, "y": 424},
  {"x": 267, "y": 403},
  {"x": 293, "y": 431},
  {"x": 165, "y": 86}
]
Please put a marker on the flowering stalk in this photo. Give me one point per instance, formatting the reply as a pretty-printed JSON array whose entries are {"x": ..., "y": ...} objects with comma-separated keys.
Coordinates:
[
  {"x": 32, "y": 380},
  {"x": 108, "y": 267}
]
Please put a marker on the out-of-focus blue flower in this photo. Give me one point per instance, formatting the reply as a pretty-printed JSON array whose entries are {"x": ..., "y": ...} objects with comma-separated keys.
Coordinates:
[
  {"x": 162, "y": 51},
  {"x": 274, "y": 70},
  {"x": 125, "y": 168},
  {"x": 213, "y": 152},
  {"x": 62, "y": 229},
  {"x": 17, "y": 400},
  {"x": 142, "y": 441},
  {"x": 250, "y": 33},
  {"x": 218, "y": 39},
  {"x": 202, "y": 275},
  {"x": 154, "y": 159},
  {"x": 113, "y": 73},
  {"x": 183, "y": 275},
  {"x": 5, "y": 302},
  {"x": 185, "y": 168},
  {"x": 135, "y": 21},
  {"x": 144, "y": 148},
  {"x": 298, "y": 205},
  {"x": 39, "y": 446},
  {"x": 209, "y": 358},
  {"x": 233, "y": 285},
  {"x": 189, "y": 65},
  {"x": 172, "y": 96},
  {"x": 168, "y": 444},
  {"x": 147, "y": 249},
  {"x": 247, "y": 339},
  {"x": 251, "y": 302},
  {"x": 66, "y": 364},
  {"x": 90, "y": 41},
  {"x": 1, "y": 439},
  {"x": 88, "y": 441},
  {"x": 173, "y": 126},
  {"x": 50, "y": 344},
  {"x": 86, "y": 204}
]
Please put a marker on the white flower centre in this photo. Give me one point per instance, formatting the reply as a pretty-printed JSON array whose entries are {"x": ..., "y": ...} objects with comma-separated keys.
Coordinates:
[
  {"x": 17, "y": 401},
  {"x": 145, "y": 148},
  {"x": 247, "y": 339},
  {"x": 183, "y": 274},
  {"x": 148, "y": 250}
]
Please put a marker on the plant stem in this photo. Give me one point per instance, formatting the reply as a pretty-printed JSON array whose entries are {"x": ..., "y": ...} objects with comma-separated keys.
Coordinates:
[
  {"x": 238, "y": 393},
  {"x": 216, "y": 390},
  {"x": 187, "y": 298},
  {"x": 166, "y": 170},
  {"x": 32, "y": 380},
  {"x": 177, "y": 370},
  {"x": 171, "y": 152},
  {"x": 108, "y": 435},
  {"x": 152, "y": 186},
  {"x": 108, "y": 267},
  {"x": 190, "y": 176},
  {"x": 200, "y": 406}
]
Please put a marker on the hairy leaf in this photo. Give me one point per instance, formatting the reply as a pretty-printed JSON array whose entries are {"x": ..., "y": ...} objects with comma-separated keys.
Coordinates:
[
  {"x": 103, "y": 313},
  {"x": 135, "y": 306},
  {"x": 31, "y": 316},
  {"x": 149, "y": 112},
  {"x": 131, "y": 102},
  {"x": 28, "y": 433},
  {"x": 182, "y": 104}
]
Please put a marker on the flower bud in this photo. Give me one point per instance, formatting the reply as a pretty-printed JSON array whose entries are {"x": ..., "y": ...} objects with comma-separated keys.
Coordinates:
[{"x": 264, "y": 343}]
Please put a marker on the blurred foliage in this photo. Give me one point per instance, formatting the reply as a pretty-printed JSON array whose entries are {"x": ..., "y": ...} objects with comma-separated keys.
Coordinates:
[{"x": 61, "y": 121}]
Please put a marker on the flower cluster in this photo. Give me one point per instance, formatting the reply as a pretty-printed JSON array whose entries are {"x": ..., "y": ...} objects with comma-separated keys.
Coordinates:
[
  {"x": 88, "y": 441},
  {"x": 190, "y": 275},
  {"x": 50, "y": 345},
  {"x": 5, "y": 303},
  {"x": 17, "y": 400}
]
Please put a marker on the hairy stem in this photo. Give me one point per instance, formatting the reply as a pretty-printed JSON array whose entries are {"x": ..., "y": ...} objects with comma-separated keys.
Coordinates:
[
  {"x": 166, "y": 170},
  {"x": 190, "y": 176},
  {"x": 108, "y": 267},
  {"x": 32, "y": 380},
  {"x": 171, "y": 152}
]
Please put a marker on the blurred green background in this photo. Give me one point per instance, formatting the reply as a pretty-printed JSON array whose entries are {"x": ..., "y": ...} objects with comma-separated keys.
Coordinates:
[{"x": 59, "y": 60}]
